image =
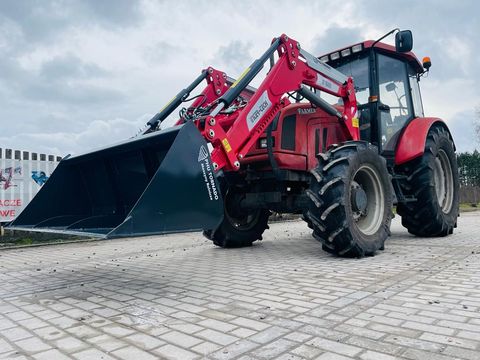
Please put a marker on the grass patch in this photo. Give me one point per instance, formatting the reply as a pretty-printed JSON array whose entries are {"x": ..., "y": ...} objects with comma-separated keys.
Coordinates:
[
  {"x": 23, "y": 241},
  {"x": 14, "y": 238},
  {"x": 467, "y": 207}
]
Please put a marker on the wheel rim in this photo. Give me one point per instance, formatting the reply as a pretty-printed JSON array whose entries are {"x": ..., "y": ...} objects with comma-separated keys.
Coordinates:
[
  {"x": 239, "y": 219},
  {"x": 368, "y": 220},
  {"x": 443, "y": 178},
  {"x": 245, "y": 223}
]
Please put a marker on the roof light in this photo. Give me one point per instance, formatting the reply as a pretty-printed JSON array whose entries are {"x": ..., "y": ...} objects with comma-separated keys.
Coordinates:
[
  {"x": 324, "y": 58},
  {"x": 357, "y": 48},
  {"x": 334, "y": 56},
  {"x": 345, "y": 52},
  {"x": 426, "y": 63}
]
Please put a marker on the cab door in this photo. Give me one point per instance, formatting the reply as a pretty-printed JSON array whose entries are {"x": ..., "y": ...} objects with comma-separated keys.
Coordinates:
[{"x": 394, "y": 105}]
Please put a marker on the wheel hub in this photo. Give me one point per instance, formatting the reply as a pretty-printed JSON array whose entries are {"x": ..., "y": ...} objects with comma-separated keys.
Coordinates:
[
  {"x": 239, "y": 218},
  {"x": 359, "y": 200},
  {"x": 367, "y": 199}
]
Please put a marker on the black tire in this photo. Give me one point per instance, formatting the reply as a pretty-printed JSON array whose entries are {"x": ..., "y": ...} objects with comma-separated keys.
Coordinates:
[
  {"x": 433, "y": 180},
  {"x": 239, "y": 228},
  {"x": 346, "y": 222}
]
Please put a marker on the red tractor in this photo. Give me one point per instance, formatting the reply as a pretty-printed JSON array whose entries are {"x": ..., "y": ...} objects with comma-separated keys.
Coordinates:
[{"x": 338, "y": 139}]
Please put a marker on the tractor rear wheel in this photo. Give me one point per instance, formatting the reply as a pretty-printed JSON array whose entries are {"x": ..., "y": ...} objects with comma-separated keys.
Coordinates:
[
  {"x": 433, "y": 180},
  {"x": 351, "y": 200},
  {"x": 239, "y": 227}
]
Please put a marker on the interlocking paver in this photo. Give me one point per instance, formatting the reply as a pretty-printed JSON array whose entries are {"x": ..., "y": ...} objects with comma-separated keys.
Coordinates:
[
  {"x": 49, "y": 333},
  {"x": 51, "y": 354},
  {"x": 332, "y": 356},
  {"x": 92, "y": 354},
  {"x": 217, "y": 337},
  {"x": 234, "y": 350},
  {"x": 107, "y": 343},
  {"x": 16, "y": 333},
  {"x": 178, "y": 297},
  {"x": 217, "y": 325},
  {"x": 144, "y": 341},
  {"x": 131, "y": 352},
  {"x": 69, "y": 344},
  {"x": 274, "y": 349},
  {"x": 180, "y": 339},
  {"x": 5, "y": 347},
  {"x": 249, "y": 323},
  {"x": 334, "y": 346},
  {"x": 373, "y": 355},
  {"x": 175, "y": 353},
  {"x": 206, "y": 348},
  {"x": 306, "y": 351},
  {"x": 32, "y": 345}
]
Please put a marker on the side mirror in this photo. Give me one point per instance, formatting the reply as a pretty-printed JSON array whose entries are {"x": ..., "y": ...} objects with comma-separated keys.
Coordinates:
[
  {"x": 404, "y": 41},
  {"x": 390, "y": 87}
]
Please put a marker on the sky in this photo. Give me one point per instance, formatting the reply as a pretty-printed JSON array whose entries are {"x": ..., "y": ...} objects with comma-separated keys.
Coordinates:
[{"x": 75, "y": 75}]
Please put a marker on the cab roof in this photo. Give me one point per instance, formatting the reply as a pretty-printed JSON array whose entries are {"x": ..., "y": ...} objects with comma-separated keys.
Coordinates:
[{"x": 385, "y": 48}]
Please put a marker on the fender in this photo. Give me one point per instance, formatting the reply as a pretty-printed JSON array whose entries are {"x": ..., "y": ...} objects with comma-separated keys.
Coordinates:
[{"x": 412, "y": 141}]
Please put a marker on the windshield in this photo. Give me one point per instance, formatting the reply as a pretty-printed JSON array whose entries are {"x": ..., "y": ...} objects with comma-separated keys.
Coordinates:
[{"x": 357, "y": 68}]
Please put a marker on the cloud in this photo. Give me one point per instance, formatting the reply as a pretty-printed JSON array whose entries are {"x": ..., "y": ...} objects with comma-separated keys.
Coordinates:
[
  {"x": 69, "y": 66},
  {"x": 74, "y": 95},
  {"x": 63, "y": 142},
  {"x": 161, "y": 52},
  {"x": 66, "y": 81},
  {"x": 462, "y": 127},
  {"x": 439, "y": 28},
  {"x": 337, "y": 37},
  {"x": 48, "y": 19},
  {"x": 235, "y": 56}
]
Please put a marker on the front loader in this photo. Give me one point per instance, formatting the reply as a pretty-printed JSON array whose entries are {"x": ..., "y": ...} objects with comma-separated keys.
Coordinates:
[{"x": 338, "y": 139}]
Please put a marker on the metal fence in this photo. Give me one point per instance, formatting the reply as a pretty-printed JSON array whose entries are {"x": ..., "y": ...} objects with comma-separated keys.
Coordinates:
[{"x": 470, "y": 194}]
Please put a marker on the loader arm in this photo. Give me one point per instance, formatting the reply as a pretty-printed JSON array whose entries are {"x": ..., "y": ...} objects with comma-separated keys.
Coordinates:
[
  {"x": 217, "y": 85},
  {"x": 295, "y": 70}
]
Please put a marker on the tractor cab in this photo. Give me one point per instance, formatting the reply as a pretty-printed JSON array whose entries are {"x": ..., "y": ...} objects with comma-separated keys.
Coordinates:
[{"x": 386, "y": 80}]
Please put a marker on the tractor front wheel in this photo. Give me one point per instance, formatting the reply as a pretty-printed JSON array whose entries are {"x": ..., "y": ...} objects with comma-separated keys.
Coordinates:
[
  {"x": 433, "y": 180},
  {"x": 351, "y": 200},
  {"x": 239, "y": 227}
]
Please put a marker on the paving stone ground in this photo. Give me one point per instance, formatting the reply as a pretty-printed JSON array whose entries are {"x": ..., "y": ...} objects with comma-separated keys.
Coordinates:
[{"x": 179, "y": 297}]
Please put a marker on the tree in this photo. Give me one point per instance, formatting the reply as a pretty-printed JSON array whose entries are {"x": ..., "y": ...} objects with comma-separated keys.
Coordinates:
[
  {"x": 477, "y": 124},
  {"x": 469, "y": 168}
]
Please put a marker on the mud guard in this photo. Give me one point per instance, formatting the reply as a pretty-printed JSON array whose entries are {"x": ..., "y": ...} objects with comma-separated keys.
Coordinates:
[
  {"x": 413, "y": 138},
  {"x": 157, "y": 183}
]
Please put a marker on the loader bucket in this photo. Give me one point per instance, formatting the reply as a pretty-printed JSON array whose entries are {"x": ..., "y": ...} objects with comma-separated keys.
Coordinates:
[{"x": 157, "y": 183}]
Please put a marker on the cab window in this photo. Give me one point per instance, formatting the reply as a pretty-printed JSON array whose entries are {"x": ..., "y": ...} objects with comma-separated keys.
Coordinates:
[
  {"x": 394, "y": 106},
  {"x": 416, "y": 97}
]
